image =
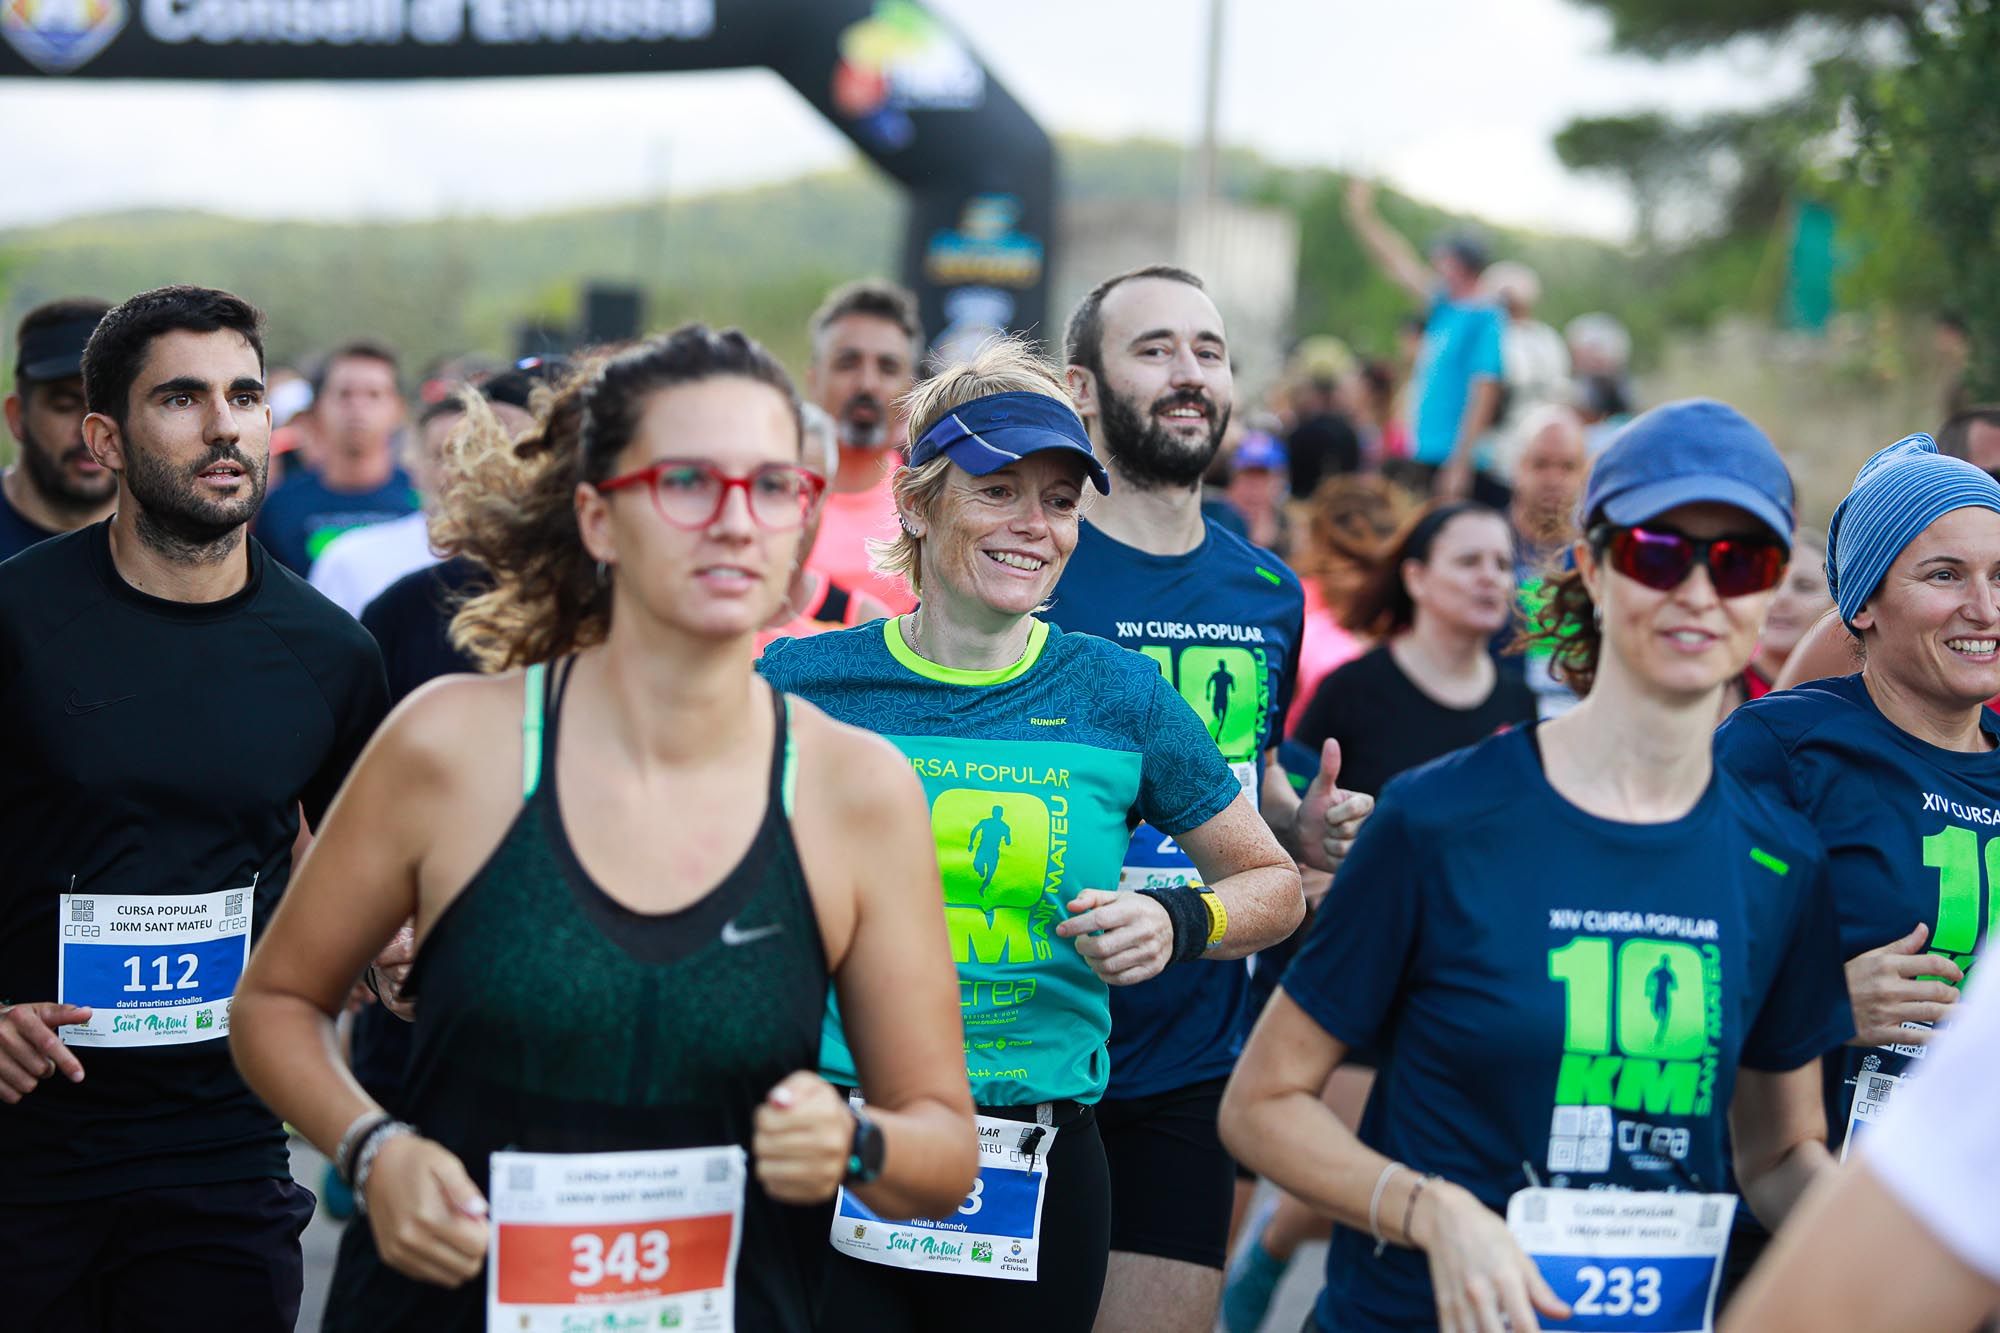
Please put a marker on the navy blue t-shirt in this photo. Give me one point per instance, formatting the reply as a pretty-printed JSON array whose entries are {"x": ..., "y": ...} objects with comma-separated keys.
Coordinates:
[
  {"x": 17, "y": 534},
  {"x": 1550, "y": 988},
  {"x": 1223, "y": 623},
  {"x": 1910, "y": 831},
  {"x": 303, "y": 515}
]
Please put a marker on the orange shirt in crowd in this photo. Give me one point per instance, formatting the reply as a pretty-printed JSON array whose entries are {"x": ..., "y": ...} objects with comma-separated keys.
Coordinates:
[{"x": 846, "y": 523}]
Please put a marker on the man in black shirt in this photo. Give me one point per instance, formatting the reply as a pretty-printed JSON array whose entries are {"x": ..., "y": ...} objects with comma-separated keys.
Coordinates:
[
  {"x": 173, "y": 701},
  {"x": 54, "y": 485}
]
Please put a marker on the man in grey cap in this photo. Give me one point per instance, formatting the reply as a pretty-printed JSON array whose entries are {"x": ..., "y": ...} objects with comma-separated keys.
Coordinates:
[{"x": 54, "y": 485}]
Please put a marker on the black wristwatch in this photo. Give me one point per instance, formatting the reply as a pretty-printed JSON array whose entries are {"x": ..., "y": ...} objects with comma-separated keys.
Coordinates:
[{"x": 864, "y": 1156}]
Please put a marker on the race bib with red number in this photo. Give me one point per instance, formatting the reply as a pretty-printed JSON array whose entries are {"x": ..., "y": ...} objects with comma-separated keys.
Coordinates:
[{"x": 640, "y": 1239}]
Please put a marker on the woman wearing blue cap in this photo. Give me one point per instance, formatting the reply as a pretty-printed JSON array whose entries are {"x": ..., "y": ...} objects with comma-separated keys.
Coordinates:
[
  {"x": 1896, "y": 766},
  {"x": 1035, "y": 748},
  {"x": 1585, "y": 960}
]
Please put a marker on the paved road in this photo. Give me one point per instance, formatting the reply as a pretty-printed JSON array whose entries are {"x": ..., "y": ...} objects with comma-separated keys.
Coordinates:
[{"x": 1294, "y": 1300}]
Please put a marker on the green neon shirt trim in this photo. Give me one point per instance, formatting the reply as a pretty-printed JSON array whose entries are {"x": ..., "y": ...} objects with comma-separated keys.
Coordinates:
[
  {"x": 892, "y": 636},
  {"x": 1769, "y": 862},
  {"x": 1268, "y": 575}
]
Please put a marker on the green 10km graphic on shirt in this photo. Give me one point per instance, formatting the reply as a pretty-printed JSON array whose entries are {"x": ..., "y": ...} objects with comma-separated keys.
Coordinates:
[
  {"x": 1642, "y": 1024},
  {"x": 1228, "y": 688},
  {"x": 1954, "y": 852}
]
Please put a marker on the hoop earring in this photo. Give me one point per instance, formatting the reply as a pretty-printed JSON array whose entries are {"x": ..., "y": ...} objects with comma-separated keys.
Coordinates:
[{"x": 603, "y": 575}]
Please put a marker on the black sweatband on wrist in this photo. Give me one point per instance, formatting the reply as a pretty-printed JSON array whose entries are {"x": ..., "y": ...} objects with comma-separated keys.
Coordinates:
[{"x": 1190, "y": 917}]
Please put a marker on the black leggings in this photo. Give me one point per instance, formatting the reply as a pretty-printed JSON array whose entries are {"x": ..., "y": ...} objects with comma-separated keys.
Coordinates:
[{"x": 861, "y": 1297}]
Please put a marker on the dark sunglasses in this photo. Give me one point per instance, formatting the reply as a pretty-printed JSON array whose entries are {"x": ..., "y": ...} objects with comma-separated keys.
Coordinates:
[{"x": 1662, "y": 559}]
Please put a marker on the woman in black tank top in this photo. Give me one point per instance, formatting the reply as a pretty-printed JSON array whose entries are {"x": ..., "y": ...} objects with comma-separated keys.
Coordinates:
[{"x": 626, "y": 925}]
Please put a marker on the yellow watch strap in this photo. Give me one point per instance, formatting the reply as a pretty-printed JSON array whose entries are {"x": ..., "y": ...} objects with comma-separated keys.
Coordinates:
[{"x": 1218, "y": 917}]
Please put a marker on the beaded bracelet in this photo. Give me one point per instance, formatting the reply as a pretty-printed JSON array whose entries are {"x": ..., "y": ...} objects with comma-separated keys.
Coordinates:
[
  {"x": 364, "y": 1158},
  {"x": 343, "y": 1156},
  {"x": 1410, "y": 1206}
]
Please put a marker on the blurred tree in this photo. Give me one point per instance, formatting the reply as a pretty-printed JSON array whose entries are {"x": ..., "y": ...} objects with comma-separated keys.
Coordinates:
[
  {"x": 1897, "y": 130},
  {"x": 1677, "y": 27},
  {"x": 1931, "y": 148}
]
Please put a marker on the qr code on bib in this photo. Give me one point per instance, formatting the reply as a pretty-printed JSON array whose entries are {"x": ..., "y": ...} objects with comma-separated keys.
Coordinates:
[
  {"x": 233, "y": 905},
  {"x": 1878, "y": 1089},
  {"x": 83, "y": 911},
  {"x": 521, "y": 1177}
]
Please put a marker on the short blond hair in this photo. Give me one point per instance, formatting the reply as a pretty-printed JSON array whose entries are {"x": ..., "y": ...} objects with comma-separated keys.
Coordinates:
[{"x": 1000, "y": 365}]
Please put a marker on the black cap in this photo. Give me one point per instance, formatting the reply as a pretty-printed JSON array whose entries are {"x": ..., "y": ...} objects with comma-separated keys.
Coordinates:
[{"x": 54, "y": 351}]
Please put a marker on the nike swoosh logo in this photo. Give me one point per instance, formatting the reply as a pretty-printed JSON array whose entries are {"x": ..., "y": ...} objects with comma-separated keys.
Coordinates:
[
  {"x": 733, "y": 934},
  {"x": 76, "y": 707}
]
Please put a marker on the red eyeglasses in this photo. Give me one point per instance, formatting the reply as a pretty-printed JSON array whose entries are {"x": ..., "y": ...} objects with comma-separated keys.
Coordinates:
[
  {"x": 1662, "y": 559},
  {"x": 690, "y": 493}
]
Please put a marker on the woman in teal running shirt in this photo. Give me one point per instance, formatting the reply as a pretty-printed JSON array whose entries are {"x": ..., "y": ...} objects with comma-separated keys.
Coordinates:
[
  {"x": 626, "y": 925},
  {"x": 1036, "y": 749}
]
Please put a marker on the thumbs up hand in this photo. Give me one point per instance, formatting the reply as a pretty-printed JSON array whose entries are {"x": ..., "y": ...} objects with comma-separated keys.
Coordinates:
[{"x": 1329, "y": 818}]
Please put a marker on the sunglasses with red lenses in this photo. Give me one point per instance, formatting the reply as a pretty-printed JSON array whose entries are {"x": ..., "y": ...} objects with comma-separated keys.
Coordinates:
[{"x": 1662, "y": 559}]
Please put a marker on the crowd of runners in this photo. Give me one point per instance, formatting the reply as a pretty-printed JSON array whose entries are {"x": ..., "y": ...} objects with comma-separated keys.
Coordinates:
[{"x": 1448, "y": 812}]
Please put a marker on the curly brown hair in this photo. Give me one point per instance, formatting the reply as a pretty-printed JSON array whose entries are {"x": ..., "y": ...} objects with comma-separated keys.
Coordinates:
[
  {"x": 1351, "y": 515},
  {"x": 510, "y": 504},
  {"x": 1562, "y": 619}
]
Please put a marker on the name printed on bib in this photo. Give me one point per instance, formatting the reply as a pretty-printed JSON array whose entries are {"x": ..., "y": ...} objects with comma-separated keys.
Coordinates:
[
  {"x": 1627, "y": 1261},
  {"x": 154, "y": 970},
  {"x": 996, "y": 1232},
  {"x": 615, "y": 1240}
]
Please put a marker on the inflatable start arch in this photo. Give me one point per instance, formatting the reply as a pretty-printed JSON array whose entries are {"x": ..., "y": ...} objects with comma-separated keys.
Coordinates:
[{"x": 978, "y": 172}]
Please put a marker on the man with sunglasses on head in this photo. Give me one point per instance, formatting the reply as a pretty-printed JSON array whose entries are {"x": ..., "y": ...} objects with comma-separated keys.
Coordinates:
[
  {"x": 54, "y": 485},
  {"x": 175, "y": 703},
  {"x": 1149, "y": 372}
]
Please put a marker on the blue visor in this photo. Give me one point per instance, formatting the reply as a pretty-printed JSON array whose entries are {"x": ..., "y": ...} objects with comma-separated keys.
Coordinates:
[{"x": 989, "y": 433}]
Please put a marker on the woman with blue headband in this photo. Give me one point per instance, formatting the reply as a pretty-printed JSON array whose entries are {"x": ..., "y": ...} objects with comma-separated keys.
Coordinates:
[
  {"x": 1896, "y": 765},
  {"x": 1037, "y": 749},
  {"x": 1585, "y": 962}
]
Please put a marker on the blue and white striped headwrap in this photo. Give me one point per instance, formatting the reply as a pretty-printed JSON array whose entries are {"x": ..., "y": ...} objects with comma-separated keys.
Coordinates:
[{"x": 1899, "y": 492}]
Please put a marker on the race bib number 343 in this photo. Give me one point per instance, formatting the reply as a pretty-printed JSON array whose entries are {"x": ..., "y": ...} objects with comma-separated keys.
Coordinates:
[
  {"x": 622, "y": 1240},
  {"x": 154, "y": 970}
]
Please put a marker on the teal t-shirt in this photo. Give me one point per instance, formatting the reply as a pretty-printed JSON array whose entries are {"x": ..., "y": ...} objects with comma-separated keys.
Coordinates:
[{"x": 1035, "y": 774}]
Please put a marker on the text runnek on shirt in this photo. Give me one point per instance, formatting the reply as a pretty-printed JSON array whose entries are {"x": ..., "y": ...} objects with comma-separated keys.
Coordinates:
[
  {"x": 1034, "y": 774},
  {"x": 1911, "y": 831},
  {"x": 1542, "y": 986},
  {"x": 155, "y": 749},
  {"x": 1222, "y": 624}
]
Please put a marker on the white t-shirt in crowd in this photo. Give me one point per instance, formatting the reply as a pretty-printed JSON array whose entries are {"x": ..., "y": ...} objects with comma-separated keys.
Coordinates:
[
  {"x": 357, "y": 567},
  {"x": 1938, "y": 1147}
]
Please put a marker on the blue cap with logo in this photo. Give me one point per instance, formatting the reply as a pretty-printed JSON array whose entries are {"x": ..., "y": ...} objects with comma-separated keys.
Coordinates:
[
  {"x": 1691, "y": 452},
  {"x": 989, "y": 433}
]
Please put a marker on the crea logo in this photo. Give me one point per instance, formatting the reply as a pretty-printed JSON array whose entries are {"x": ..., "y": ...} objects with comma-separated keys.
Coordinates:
[
  {"x": 60, "y": 36},
  {"x": 901, "y": 59}
]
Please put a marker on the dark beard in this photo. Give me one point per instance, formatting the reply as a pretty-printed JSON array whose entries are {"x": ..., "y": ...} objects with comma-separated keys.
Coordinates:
[
  {"x": 45, "y": 474},
  {"x": 856, "y": 436},
  {"x": 176, "y": 519},
  {"x": 1145, "y": 453}
]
